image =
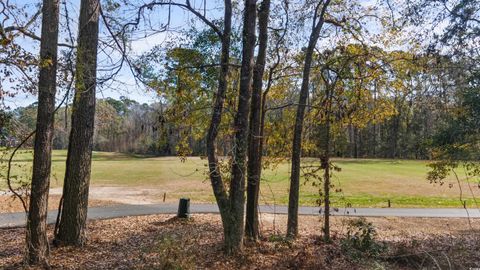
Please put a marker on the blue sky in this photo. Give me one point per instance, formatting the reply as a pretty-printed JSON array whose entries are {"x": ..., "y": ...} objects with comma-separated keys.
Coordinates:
[
  {"x": 125, "y": 84},
  {"x": 143, "y": 41}
]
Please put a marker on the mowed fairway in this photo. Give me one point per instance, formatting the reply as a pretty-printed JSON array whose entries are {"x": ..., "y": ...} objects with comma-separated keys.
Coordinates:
[{"x": 361, "y": 182}]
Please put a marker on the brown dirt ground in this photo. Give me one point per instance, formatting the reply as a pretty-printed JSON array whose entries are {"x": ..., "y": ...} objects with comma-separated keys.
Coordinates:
[
  {"x": 164, "y": 242},
  {"x": 10, "y": 205}
]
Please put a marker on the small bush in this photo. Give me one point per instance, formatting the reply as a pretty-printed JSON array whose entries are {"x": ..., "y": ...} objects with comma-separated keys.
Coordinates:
[
  {"x": 360, "y": 241},
  {"x": 280, "y": 240},
  {"x": 172, "y": 255}
]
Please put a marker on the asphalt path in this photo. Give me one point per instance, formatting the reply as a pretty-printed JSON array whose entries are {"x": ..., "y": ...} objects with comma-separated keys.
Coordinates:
[{"x": 8, "y": 220}]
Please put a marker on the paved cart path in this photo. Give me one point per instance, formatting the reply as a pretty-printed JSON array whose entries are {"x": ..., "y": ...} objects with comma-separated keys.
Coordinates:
[{"x": 18, "y": 219}]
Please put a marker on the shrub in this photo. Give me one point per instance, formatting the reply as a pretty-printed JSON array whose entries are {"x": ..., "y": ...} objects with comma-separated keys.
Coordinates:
[
  {"x": 172, "y": 255},
  {"x": 361, "y": 240}
]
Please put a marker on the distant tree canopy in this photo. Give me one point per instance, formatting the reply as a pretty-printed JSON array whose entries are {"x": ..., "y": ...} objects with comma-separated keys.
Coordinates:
[
  {"x": 402, "y": 109},
  {"x": 393, "y": 104}
]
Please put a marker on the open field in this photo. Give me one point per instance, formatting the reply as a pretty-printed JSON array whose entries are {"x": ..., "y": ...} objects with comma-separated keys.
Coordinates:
[
  {"x": 164, "y": 242},
  {"x": 363, "y": 182}
]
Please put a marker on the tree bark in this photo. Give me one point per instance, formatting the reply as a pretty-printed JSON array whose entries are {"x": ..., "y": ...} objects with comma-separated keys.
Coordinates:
[
  {"x": 292, "y": 223},
  {"x": 240, "y": 126},
  {"x": 355, "y": 142},
  {"x": 72, "y": 229},
  {"x": 254, "y": 155},
  {"x": 231, "y": 223},
  {"x": 37, "y": 241},
  {"x": 374, "y": 146},
  {"x": 218, "y": 187},
  {"x": 326, "y": 162},
  {"x": 232, "y": 205}
]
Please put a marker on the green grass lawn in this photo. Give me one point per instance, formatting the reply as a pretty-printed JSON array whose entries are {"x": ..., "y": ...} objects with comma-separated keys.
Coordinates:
[{"x": 363, "y": 182}]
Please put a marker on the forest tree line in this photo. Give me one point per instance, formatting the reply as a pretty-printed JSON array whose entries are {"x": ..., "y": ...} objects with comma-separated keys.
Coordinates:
[{"x": 396, "y": 122}]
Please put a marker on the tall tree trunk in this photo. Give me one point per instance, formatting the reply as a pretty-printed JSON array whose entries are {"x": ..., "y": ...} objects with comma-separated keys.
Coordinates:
[
  {"x": 214, "y": 170},
  {"x": 326, "y": 162},
  {"x": 240, "y": 126},
  {"x": 37, "y": 241},
  {"x": 77, "y": 176},
  {"x": 292, "y": 223},
  {"x": 394, "y": 137},
  {"x": 355, "y": 142},
  {"x": 374, "y": 146},
  {"x": 232, "y": 205},
  {"x": 254, "y": 139}
]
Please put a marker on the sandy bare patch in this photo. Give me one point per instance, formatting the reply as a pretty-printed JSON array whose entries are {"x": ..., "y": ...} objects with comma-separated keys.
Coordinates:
[
  {"x": 129, "y": 194},
  {"x": 9, "y": 204},
  {"x": 123, "y": 195}
]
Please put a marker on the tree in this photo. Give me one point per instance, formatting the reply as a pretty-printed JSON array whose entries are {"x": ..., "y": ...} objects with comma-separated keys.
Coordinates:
[
  {"x": 456, "y": 142},
  {"x": 345, "y": 95},
  {"x": 255, "y": 138},
  {"x": 231, "y": 204},
  {"x": 72, "y": 228},
  {"x": 240, "y": 127},
  {"x": 457, "y": 145},
  {"x": 107, "y": 126},
  {"x": 318, "y": 21},
  {"x": 186, "y": 81},
  {"x": 37, "y": 241},
  {"x": 4, "y": 126}
]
